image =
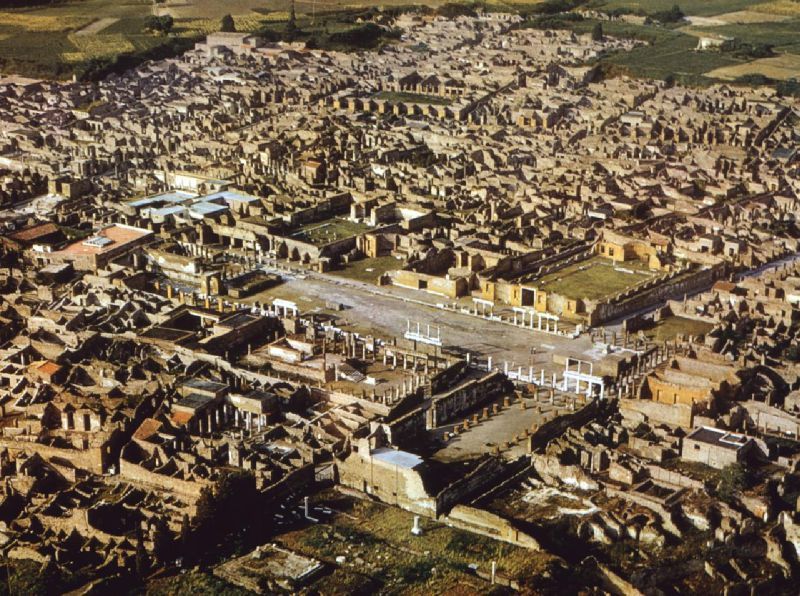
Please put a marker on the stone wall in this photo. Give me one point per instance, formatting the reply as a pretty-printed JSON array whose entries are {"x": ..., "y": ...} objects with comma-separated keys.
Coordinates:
[
  {"x": 712, "y": 455},
  {"x": 391, "y": 484},
  {"x": 558, "y": 425},
  {"x": 454, "y": 403},
  {"x": 654, "y": 292},
  {"x": 451, "y": 288},
  {"x": 673, "y": 477},
  {"x": 293, "y": 482},
  {"x": 445, "y": 378},
  {"x": 672, "y": 414},
  {"x": 648, "y": 449},
  {"x": 189, "y": 490},
  {"x": 553, "y": 472},
  {"x": 90, "y": 459},
  {"x": 488, "y": 524},
  {"x": 405, "y": 429},
  {"x": 477, "y": 479}
]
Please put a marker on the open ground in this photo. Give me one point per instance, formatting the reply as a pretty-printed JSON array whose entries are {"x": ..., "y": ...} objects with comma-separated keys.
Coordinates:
[{"x": 594, "y": 279}]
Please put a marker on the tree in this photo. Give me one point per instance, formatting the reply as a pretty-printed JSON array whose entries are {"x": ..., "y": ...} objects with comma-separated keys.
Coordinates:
[
  {"x": 673, "y": 15},
  {"x": 141, "y": 561},
  {"x": 207, "y": 508},
  {"x": 733, "y": 479},
  {"x": 185, "y": 535},
  {"x": 291, "y": 24},
  {"x": 597, "y": 32},
  {"x": 227, "y": 25},
  {"x": 226, "y": 510},
  {"x": 163, "y": 542},
  {"x": 159, "y": 24}
]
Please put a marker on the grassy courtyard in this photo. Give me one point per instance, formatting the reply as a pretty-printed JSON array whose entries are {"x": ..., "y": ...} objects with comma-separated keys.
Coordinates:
[
  {"x": 378, "y": 546},
  {"x": 594, "y": 279},
  {"x": 368, "y": 270},
  {"x": 331, "y": 230},
  {"x": 397, "y": 97},
  {"x": 669, "y": 327}
]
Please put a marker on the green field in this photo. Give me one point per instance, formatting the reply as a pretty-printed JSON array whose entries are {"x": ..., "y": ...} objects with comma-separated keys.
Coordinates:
[
  {"x": 396, "y": 562},
  {"x": 692, "y": 7},
  {"x": 671, "y": 49},
  {"x": 80, "y": 36},
  {"x": 593, "y": 279},
  {"x": 672, "y": 55},
  {"x": 87, "y": 38}
]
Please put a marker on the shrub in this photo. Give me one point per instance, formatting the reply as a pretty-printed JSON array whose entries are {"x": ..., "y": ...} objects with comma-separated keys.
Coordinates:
[
  {"x": 159, "y": 24},
  {"x": 673, "y": 15},
  {"x": 226, "y": 25},
  {"x": 733, "y": 479},
  {"x": 451, "y": 10}
]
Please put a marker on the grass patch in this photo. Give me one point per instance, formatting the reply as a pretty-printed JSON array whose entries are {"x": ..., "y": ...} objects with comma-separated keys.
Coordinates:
[
  {"x": 671, "y": 50},
  {"x": 379, "y": 538},
  {"x": 399, "y": 96},
  {"x": 193, "y": 582},
  {"x": 593, "y": 279},
  {"x": 689, "y": 7},
  {"x": 782, "y": 35},
  {"x": 369, "y": 270},
  {"x": 416, "y": 572},
  {"x": 670, "y": 327},
  {"x": 332, "y": 230},
  {"x": 673, "y": 54},
  {"x": 44, "y": 40}
]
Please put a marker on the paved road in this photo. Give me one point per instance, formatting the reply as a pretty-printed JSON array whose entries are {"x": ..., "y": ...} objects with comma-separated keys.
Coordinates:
[{"x": 384, "y": 311}]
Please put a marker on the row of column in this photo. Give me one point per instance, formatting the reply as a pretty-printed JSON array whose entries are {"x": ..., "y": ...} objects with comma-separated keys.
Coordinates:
[
  {"x": 222, "y": 415},
  {"x": 550, "y": 322},
  {"x": 415, "y": 360}
]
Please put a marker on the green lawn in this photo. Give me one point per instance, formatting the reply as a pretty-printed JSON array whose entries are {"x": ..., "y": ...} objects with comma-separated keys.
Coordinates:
[
  {"x": 593, "y": 279},
  {"x": 323, "y": 232},
  {"x": 394, "y": 96},
  {"x": 672, "y": 326},
  {"x": 369, "y": 270},
  {"x": 193, "y": 582},
  {"x": 398, "y": 562}
]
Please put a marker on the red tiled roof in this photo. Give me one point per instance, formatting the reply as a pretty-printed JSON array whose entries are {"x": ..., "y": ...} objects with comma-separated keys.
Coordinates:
[
  {"x": 147, "y": 429},
  {"x": 117, "y": 234},
  {"x": 48, "y": 368},
  {"x": 34, "y": 232},
  {"x": 181, "y": 418},
  {"x": 724, "y": 286}
]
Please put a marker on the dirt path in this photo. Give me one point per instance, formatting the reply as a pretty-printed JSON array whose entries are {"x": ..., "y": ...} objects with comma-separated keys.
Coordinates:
[{"x": 97, "y": 26}]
